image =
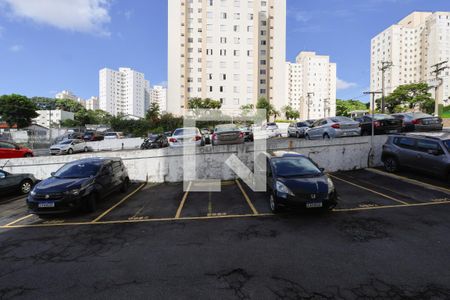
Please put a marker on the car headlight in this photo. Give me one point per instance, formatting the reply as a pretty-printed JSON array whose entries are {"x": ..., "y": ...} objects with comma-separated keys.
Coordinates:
[
  {"x": 330, "y": 185},
  {"x": 281, "y": 188},
  {"x": 33, "y": 193},
  {"x": 74, "y": 192}
]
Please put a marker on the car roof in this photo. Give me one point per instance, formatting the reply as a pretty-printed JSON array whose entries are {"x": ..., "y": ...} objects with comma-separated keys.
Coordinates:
[
  {"x": 97, "y": 160},
  {"x": 429, "y": 135},
  {"x": 282, "y": 154}
]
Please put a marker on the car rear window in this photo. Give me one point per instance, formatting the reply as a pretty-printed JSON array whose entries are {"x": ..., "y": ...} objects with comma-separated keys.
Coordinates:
[
  {"x": 295, "y": 166},
  {"x": 185, "y": 131},
  {"x": 382, "y": 117},
  {"x": 223, "y": 128},
  {"x": 341, "y": 119}
]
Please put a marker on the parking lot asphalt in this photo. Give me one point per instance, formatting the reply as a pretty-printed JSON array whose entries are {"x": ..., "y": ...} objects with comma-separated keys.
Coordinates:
[{"x": 388, "y": 238}]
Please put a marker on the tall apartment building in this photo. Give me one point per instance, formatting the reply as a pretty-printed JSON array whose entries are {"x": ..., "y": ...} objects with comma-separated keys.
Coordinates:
[
  {"x": 66, "y": 94},
  {"x": 92, "y": 103},
  {"x": 228, "y": 50},
  {"x": 414, "y": 45},
  {"x": 311, "y": 85},
  {"x": 123, "y": 92},
  {"x": 158, "y": 94}
]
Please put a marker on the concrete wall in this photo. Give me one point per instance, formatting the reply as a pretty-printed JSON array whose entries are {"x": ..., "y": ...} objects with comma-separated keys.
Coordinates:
[
  {"x": 166, "y": 165},
  {"x": 116, "y": 144}
]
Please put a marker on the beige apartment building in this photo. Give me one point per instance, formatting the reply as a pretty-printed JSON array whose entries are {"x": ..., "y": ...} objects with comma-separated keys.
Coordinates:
[
  {"x": 414, "y": 45},
  {"x": 228, "y": 50},
  {"x": 311, "y": 85}
]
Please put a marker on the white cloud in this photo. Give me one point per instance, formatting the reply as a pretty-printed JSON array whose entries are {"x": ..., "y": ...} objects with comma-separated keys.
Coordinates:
[
  {"x": 343, "y": 85},
  {"x": 16, "y": 48},
  {"x": 75, "y": 15},
  {"x": 302, "y": 16}
]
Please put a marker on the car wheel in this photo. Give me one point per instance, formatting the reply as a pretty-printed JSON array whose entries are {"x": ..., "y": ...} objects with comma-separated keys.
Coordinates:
[
  {"x": 70, "y": 151},
  {"x": 25, "y": 186},
  {"x": 86, "y": 149},
  {"x": 91, "y": 203},
  {"x": 125, "y": 185},
  {"x": 390, "y": 164},
  {"x": 297, "y": 135},
  {"x": 326, "y": 136},
  {"x": 28, "y": 155},
  {"x": 274, "y": 207}
]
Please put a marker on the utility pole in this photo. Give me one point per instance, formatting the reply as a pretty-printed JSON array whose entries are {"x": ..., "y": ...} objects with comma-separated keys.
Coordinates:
[
  {"x": 438, "y": 68},
  {"x": 385, "y": 65},
  {"x": 309, "y": 102},
  {"x": 373, "y": 119}
]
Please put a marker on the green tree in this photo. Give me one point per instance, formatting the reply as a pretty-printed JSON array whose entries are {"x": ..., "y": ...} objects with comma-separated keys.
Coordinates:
[
  {"x": 344, "y": 107},
  {"x": 409, "y": 96},
  {"x": 153, "y": 113},
  {"x": 69, "y": 105},
  {"x": 263, "y": 103},
  {"x": 17, "y": 110},
  {"x": 199, "y": 103},
  {"x": 290, "y": 113}
]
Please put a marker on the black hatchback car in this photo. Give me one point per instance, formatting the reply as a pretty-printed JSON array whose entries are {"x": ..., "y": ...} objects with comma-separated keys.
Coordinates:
[
  {"x": 295, "y": 180},
  {"x": 382, "y": 124},
  {"x": 79, "y": 185}
]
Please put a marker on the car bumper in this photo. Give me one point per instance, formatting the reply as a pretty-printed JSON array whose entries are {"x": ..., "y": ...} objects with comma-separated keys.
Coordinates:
[
  {"x": 67, "y": 204},
  {"x": 347, "y": 133},
  {"x": 233, "y": 142},
  {"x": 303, "y": 202},
  {"x": 436, "y": 127}
]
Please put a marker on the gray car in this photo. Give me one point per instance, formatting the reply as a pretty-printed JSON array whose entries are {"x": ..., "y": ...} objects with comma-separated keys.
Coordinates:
[
  {"x": 298, "y": 129},
  {"x": 334, "y": 127},
  {"x": 429, "y": 153},
  {"x": 69, "y": 147},
  {"x": 227, "y": 134},
  {"x": 11, "y": 183}
]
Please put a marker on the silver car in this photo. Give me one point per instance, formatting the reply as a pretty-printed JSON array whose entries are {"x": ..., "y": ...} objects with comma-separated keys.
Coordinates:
[
  {"x": 186, "y": 136},
  {"x": 227, "y": 134},
  {"x": 334, "y": 127},
  {"x": 298, "y": 129},
  {"x": 69, "y": 147}
]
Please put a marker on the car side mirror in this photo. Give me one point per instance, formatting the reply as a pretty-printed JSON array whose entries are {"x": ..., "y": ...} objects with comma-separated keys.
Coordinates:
[
  {"x": 322, "y": 170},
  {"x": 52, "y": 174}
]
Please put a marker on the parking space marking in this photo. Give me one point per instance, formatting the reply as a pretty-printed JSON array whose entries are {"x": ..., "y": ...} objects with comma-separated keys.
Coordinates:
[
  {"x": 391, "y": 206},
  {"x": 118, "y": 203},
  {"x": 370, "y": 190},
  {"x": 409, "y": 180},
  {"x": 18, "y": 220},
  {"x": 249, "y": 202},
  {"x": 183, "y": 200}
]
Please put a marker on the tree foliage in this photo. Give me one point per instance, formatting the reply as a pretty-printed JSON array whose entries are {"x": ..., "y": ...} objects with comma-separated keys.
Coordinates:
[
  {"x": 153, "y": 113},
  {"x": 344, "y": 107},
  {"x": 199, "y": 103},
  {"x": 263, "y": 103},
  {"x": 17, "y": 110},
  {"x": 290, "y": 113},
  {"x": 410, "y": 96}
]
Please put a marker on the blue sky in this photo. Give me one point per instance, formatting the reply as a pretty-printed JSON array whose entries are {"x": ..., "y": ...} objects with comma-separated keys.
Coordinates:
[{"x": 50, "y": 45}]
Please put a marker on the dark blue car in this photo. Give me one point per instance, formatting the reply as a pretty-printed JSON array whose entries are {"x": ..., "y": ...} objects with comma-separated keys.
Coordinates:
[
  {"x": 78, "y": 185},
  {"x": 295, "y": 180}
]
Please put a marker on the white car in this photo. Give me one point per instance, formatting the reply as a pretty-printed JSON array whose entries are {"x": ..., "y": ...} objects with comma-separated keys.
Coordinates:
[
  {"x": 271, "y": 130},
  {"x": 69, "y": 147},
  {"x": 183, "y": 136},
  {"x": 113, "y": 135}
]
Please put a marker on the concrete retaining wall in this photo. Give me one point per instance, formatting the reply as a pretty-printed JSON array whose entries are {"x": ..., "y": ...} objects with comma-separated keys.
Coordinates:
[
  {"x": 116, "y": 144},
  {"x": 166, "y": 165}
]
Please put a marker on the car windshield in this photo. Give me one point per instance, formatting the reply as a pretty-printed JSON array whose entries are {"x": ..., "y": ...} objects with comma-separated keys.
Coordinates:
[
  {"x": 66, "y": 142},
  {"x": 421, "y": 115},
  {"x": 78, "y": 170},
  {"x": 295, "y": 167},
  {"x": 111, "y": 134},
  {"x": 302, "y": 124},
  {"x": 228, "y": 127},
  {"x": 447, "y": 144},
  {"x": 185, "y": 131},
  {"x": 382, "y": 117}
]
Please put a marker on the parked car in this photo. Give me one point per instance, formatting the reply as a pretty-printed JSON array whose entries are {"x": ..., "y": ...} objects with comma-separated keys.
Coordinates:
[
  {"x": 93, "y": 136},
  {"x": 429, "y": 153},
  {"x": 12, "y": 150},
  {"x": 419, "y": 122},
  {"x": 383, "y": 124},
  {"x": 227, "y": 134},
  {"x": 155, "y": 141},
  {"x": 271, "y": 130},
  {"x": 79, "y": 185},
  {"x": 206, "y": 135},
  {"x": 298, "y": 129},
  {"x": 113, "y": 135},
  {"x": 334, "y": 127},
  {"x": 186, "y": 136},
  {"x": 248, "y": 133},
  {"x": 69, "y": 147},
  {"x": 12, "y": 183},
  {"x": 295, "y": 180}
]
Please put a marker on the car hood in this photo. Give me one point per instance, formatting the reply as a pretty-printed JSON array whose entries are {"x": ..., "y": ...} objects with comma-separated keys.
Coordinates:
[
  {"x": 305, "y": 185},
  {"x": 59, "y": 185}
]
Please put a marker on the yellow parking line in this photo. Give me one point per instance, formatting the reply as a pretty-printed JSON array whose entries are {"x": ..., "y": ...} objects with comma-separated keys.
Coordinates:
[
  {"x": 118, "y": 203},
  {"x": 409, "y": 180},
  {"x": 249, "y": 202},
  {"x": 370, "y": 190},
  {"x": 183, "y": 200},
  {"x": 18, "y": 220},
  {"x": 391, "y": 206}
]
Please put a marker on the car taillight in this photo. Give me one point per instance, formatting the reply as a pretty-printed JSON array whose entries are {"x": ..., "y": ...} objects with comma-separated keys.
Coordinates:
[
  {"x": 376, "y": 124},
  {"x": 336, "y": 126},
  {"x": 415, "y": 122},
  {"x": 197, "y": 138},
  {"x": 241, "y": 134},
  {"x": 214, "y": 136},
  {"x": 172, "y": 140}
]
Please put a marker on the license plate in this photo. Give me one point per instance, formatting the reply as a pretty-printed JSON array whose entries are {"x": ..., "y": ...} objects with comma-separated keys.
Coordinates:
[
  {"x": 314, "y": 205},
  {"x": 46, "y": 204}
]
